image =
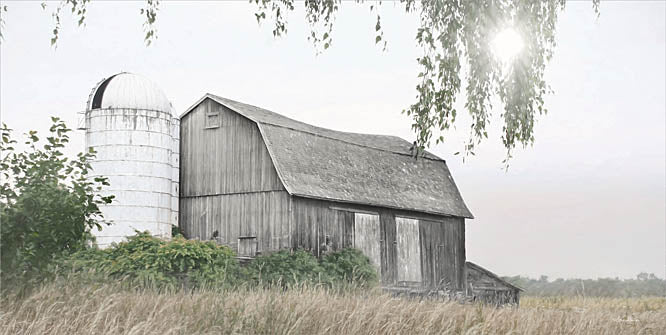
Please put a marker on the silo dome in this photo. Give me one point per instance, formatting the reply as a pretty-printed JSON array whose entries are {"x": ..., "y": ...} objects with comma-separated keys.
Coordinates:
[
  {"x": 129, "y": 123},
  {"x": 129, "y": 90}
]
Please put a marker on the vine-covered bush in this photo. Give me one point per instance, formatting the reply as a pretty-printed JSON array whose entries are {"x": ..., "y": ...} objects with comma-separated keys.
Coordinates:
[
  {"x": 285, "y": 268},
  {"x": 149, "y": 261},
  {"x": 349, "y": 266}
]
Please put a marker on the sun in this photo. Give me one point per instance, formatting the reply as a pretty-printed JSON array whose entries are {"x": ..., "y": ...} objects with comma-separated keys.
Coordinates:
[{"x": 507, "y": 45}]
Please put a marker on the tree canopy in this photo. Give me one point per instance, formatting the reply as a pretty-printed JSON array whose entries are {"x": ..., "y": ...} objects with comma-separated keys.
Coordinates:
[{"x": 456, "y": 39}]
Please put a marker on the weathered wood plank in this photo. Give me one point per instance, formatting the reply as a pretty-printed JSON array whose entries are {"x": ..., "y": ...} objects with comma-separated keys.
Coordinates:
[
  {"x": 389, "y": 251},
  {"x": 408, "y": 250},
  {"x": 238, "y": 215},
  {"x": 367, "y": 236}
]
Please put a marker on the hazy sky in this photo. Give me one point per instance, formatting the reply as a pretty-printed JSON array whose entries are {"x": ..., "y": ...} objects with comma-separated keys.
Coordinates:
[{"x": 587, "y": 200}]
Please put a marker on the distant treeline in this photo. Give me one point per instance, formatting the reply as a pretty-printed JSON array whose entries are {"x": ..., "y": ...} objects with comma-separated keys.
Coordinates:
[{"x": 645, "y": 284}]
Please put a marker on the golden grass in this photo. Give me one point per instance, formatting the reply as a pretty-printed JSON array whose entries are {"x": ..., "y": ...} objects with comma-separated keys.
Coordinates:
[{"x": 107, "y": 309}]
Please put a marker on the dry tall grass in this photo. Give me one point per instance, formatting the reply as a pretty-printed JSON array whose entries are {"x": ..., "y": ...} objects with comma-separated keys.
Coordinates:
[{"x": 106, "y": 309}]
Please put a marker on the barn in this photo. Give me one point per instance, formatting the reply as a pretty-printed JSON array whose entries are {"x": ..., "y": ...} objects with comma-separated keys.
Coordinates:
[{"x": 258, "y": 182}]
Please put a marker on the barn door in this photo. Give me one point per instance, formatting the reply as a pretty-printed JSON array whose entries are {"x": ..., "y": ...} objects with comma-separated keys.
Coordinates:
[
  {"x": 409, "y": 255},
  {"x": 366, "y": 237}
]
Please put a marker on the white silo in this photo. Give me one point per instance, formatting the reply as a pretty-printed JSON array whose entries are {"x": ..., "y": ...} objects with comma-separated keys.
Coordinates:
[{"x": 129, "y": 122}]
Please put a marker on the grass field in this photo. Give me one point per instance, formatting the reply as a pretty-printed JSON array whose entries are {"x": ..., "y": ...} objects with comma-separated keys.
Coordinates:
[{"x": 106, "y": 309}]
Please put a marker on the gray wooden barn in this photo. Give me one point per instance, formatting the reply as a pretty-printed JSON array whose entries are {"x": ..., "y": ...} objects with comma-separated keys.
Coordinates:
[{"x": 258, "y": 182}]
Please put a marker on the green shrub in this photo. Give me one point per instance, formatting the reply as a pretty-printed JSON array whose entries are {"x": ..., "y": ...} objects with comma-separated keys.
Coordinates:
[
  {"x": 285, "y": 268},
  {"x": 149, "y": 261},
  {"x": 48, "y": 204},
  {"x": 175, "y": 231},
  {"x": 349, "y": 266}
]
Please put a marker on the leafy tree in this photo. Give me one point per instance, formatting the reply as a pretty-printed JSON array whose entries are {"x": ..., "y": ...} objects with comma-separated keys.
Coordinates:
[
  {"x": 455, "y": 37},
  {"x": 48, "y": 204}
]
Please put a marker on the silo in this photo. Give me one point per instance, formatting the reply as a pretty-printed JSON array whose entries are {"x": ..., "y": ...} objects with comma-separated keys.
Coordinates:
[{"x": 129, "y": 122}]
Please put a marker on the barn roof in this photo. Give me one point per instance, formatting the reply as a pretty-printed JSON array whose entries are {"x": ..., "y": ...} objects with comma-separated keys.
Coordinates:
[{"x": 376, "y": 170}]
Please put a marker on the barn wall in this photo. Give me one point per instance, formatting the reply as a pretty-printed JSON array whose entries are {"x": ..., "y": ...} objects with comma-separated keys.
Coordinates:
[
  {"x": 443, "y": 249},
  {"x": 441, "y": 240},
  {"x": 229, "y": 159},
  {"x": 263, "y": 215},
  {"x": 228, "y": 181}
]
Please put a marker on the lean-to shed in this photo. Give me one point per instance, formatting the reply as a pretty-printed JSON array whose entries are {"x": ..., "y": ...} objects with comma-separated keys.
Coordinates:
[
  {"x": 485, "y": 286},
  {"x": 259, "y": 182}
]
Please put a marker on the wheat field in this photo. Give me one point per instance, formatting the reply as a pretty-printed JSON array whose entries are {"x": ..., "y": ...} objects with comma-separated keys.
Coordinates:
[{"x": 109, "y": 309}]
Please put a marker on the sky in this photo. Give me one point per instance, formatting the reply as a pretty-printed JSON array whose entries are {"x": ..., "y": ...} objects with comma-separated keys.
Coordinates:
[{"x": 587, "y": 200}]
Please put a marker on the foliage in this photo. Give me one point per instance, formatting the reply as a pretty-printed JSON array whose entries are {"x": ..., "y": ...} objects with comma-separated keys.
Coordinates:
[
  {"x": 644, "y": 285},
  {"x": 455, "y": 38},
  {"x": 456, "y": 35},
  {"x": 145, "y": 260},
  {"x": 3, "y": 11},
  {"x": 175, "y": 231},
  {"x": 285, "y": 268},
  {"x": 48, "y": 203},
  {"x": 351, "y": 266}
]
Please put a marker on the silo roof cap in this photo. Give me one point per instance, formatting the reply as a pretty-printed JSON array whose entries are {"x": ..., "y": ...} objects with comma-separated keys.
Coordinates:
[{"x": 129, "y": 90}]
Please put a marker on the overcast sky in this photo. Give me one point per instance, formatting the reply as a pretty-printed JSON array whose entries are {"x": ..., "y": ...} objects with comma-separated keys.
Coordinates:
[{"x": 587, "y": 200}]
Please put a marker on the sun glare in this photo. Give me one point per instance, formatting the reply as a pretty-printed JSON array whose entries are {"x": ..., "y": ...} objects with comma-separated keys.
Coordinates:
[{"x": 507, "y": 44}]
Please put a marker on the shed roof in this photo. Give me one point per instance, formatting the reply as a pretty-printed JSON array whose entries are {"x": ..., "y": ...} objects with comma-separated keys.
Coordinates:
[
  {"x": 481, "y": 269},
  {"x": 376, "y": 170}
]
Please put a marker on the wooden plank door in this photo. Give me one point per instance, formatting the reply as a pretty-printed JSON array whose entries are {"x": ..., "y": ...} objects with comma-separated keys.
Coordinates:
[
  {"x": 409, "y": 251},
  {"x": 367, "y": 236}
]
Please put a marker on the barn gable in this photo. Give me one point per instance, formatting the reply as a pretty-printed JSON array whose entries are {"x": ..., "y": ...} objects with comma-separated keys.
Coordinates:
[
  {"x": 374, "y": 170},
  {"x": 228, "y": 156},
  {"x": 228, "y": 185}
]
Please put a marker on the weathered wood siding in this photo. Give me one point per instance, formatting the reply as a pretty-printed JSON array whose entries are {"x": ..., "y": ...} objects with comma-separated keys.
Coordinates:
[
  {"x": 436, "y": 243},
  {"x": 409, "y": 251},
  {"x": 443, "y": 251},
  {"x": 229, "y": 186},
  {"x": 367, "y": 237},
  {"x": 486, "y": 287},
  {"x": 261, "y": 214},
  {"x": 229, "y": 159}
]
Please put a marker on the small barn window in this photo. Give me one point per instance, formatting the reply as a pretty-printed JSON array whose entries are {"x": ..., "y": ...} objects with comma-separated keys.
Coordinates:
[
  {"x": 212, "y": 119},
  {"x": 247, "y": 246}
]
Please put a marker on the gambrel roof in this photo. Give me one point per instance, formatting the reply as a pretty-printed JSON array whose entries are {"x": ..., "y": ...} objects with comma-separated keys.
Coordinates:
[{"x": 377, "y": 170}]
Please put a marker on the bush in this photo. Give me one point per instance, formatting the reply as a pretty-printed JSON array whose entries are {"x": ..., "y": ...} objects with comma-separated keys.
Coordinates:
[
  {"x": 349, "y": 266},
  {"x": 48, "y": 204},
  {"x": 149, "y": 261},
  {"x": 285, "y": 268}
]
